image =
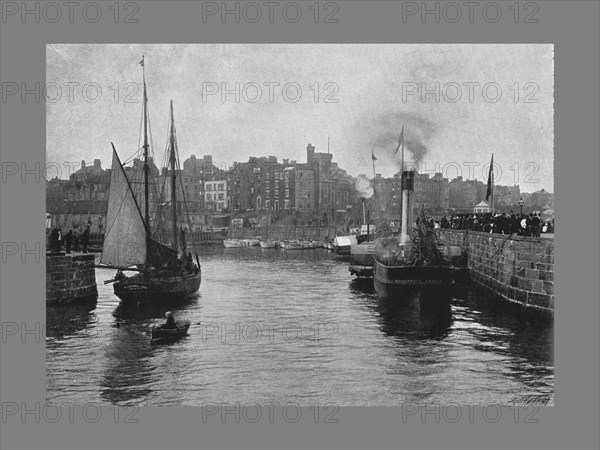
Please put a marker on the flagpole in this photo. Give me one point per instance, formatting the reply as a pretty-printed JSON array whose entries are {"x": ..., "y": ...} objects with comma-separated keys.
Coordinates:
[
  {"x": 492, "y": 169},
  {"x": 404, "y": 202},
  {"x": 374, "y": 175},
  {"x": 490, "y": 186}
]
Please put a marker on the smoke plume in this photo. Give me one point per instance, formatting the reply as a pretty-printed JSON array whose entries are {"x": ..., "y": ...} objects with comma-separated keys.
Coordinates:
[
  {"x": 363, "y": 186},
  {"x": 382, "y": 131}
]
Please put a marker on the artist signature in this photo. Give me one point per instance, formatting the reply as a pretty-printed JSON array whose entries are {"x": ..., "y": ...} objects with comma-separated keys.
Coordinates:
[{"x": 531, "y": 400}]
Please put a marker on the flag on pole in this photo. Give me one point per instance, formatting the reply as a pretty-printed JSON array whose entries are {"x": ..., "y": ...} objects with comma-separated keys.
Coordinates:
[
  {"x": 373, "y": 155},
  {"x": 400, "y": 140},
  {"x": 142, "y": 62},
  {"x": 490, "y": 180}
]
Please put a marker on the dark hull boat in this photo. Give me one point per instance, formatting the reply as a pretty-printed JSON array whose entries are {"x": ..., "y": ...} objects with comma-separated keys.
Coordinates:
[
  {"x": 154, "y": 248},
  {"x": 406, "y": 283},
  {"x": 167, "y": 288},
  {"x": 362, "y": 260},
  {"x": 410, "y": 269}
]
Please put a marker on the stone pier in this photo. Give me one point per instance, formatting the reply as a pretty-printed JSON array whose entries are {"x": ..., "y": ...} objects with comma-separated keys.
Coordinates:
[
  {"x": 520, "y": 269},
  {"x": 70, "y": 278}
]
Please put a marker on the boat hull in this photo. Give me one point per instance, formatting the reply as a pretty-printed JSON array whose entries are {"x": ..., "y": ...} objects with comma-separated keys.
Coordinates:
[
  {"x": 361, "y": 271},
  {"x": 406, "y": 284},
  {"x": 136, "y": 288},
  {"x": 160, "y": 333},
  {"x": 361, "y": 259}
]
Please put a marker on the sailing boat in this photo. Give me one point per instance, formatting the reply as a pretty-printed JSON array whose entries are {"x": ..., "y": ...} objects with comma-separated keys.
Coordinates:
[
  {"x": 410, "y": 269},
  {"x": 163, "y": 273}
]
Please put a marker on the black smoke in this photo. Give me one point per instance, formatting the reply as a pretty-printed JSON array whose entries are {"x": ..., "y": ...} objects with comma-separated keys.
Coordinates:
[{"x": 382, "y": 131}]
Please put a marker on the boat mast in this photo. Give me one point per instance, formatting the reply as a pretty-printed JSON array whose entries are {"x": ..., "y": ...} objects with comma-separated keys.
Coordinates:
[
  {"x": 173, "y": 180},
  {"x": 405, "y": 200},
  {"x": 146, "y": 167}
]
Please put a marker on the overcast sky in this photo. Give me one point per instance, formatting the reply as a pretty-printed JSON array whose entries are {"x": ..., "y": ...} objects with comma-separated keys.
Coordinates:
[{"x": 447, "y": 130}]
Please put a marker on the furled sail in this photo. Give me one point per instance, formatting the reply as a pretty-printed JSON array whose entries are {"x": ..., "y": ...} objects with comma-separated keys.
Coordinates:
[{"x": 125, "y": 237}]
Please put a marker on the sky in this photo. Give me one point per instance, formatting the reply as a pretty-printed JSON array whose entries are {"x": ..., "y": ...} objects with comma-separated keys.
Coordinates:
[{"x": 458, "y": 105}]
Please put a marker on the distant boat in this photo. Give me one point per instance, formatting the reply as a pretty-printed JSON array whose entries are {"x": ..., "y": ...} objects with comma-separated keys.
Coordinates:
[
  {"x": 163, "y": 273},
  {"x": 232, "y": 243},
  {"x": 361, "y": 253},
  {"x": 343, "y": 244},
  {"x": 362, "y": 259},
  {"x": 251, "y": 242},
  {"x": 268, "y": 244},
  {"x": 290, "y": 245}
]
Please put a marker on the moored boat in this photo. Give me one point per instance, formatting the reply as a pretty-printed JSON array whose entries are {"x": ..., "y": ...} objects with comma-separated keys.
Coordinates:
[
  {"x": 291, "y": 245},
  {"x": 165, "y": 271},
  {"x": 362, "y": 259},
  {"x": 343, "y": 244},
  {"x": 268, "y": 244},
  {"x": 410, "y": 268},
  {"x": 232, "y": 243}
]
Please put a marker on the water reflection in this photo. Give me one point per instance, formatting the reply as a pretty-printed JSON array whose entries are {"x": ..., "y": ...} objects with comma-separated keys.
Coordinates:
[
  {"x": 426, "y": 318},
  {"x": 65, "y": 320},
  {"x": 128, "y": 372},
  {"x": 136, "y": 313}
]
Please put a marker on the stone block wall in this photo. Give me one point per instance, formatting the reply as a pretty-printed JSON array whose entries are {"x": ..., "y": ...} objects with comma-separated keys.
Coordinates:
[
  {"x": 70, "y": 278},
  {"x": 520, "y": 269}
]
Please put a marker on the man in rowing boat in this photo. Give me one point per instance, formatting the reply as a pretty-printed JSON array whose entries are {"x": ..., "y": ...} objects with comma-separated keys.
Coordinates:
[{"x": 170, "y": 324}]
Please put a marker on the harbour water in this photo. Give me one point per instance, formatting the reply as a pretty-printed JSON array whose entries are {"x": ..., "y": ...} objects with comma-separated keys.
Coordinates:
[{"x": 270, "y": 325}]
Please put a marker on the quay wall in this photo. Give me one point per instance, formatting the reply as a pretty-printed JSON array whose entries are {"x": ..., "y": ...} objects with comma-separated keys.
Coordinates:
[
  {"x": 70, "y": 278},
  {"x": 281, "y": 232},
  {"x": 520, "y": 269}
]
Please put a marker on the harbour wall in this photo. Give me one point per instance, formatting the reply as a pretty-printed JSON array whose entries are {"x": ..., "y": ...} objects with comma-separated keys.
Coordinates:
[
  {"x": 70, "y": 278},
  {"x": 281, "y": 232},
  {"x": 519, "y": 269}
]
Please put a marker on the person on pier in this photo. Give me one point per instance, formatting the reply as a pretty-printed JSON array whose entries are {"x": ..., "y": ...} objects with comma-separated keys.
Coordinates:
[
  {"x": 68, "y": 241},
  {"x": 85, "y": 239}
]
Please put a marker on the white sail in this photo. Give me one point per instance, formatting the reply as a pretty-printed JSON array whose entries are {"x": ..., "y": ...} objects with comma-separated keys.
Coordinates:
[{"x": 125, "y": 237}]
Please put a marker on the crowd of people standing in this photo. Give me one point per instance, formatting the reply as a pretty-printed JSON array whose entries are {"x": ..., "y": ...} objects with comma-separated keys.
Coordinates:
[
  {"x": 501, "y": 223},
  {"x": 71, "y": 240}
]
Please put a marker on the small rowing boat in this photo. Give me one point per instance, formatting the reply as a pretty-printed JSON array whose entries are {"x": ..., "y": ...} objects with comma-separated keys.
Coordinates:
[{"x": 161, "y": 333}]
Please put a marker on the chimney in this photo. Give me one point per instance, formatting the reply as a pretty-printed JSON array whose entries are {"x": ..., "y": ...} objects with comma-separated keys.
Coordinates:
[
  {"x": 97, "y": 164},
  {"x": 310, "y": 153},
  {"x": 83, "y": 164}
]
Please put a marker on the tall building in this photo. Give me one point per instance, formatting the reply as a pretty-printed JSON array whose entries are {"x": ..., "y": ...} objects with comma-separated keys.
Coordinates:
[
  {"x": 317, "y": 190},
  {"x": 431, "y": 193},
  {"x": 195, "y": 173},
  {"x": 215, "y": 195}
]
